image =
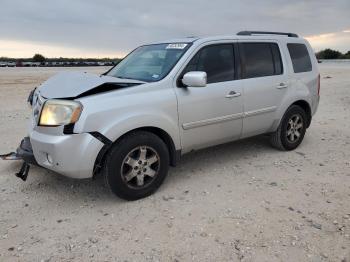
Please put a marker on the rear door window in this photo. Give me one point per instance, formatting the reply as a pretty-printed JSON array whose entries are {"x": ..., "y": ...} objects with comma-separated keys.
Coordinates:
[
  {"x": 300, "y": 58},
  {"x": 260, "y": 59}
]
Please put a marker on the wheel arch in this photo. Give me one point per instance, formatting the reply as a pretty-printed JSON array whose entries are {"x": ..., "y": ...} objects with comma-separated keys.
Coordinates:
[
  {"x": 174, "y": 154},
  {"x": 167, "y": 139},
  {"x": 303, "y": 103},
  {"x": 306, "y": 107}
]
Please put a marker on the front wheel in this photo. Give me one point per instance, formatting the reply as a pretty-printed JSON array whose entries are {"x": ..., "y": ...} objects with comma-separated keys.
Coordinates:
[
  {"x": 136, "y": 165},
  {"x": 291, "y": 130}
]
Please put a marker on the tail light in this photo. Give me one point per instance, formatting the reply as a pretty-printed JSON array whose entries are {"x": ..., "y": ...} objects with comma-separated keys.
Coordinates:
[{"x": 318, "y": 84}]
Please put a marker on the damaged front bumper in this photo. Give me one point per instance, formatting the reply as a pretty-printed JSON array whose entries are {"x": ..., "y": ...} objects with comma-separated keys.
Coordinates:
[
  {"x": 24, "y": 152},
  {"x": 69, "y": 155}
]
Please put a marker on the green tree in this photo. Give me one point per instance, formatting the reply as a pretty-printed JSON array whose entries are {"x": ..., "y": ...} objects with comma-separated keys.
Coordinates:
[
  {"x": 39, "y": 58},
  {"x": 329, "y": 54},
  {"x": 347, "y": 55}
]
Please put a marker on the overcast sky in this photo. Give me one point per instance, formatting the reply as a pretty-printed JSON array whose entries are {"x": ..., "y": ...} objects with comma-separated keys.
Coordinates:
[{"x": 84, "y": 28}]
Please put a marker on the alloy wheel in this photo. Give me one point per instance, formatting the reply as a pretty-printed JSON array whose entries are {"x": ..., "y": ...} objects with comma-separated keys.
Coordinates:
[
  {"x": 294, "y": 128},
  {"x": 140, "y": 167}
]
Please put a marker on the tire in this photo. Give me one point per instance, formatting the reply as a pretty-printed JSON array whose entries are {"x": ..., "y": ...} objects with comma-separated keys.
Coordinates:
[
  {"x": 124, "y": 172},
  {"x": 282, "y": 138}
]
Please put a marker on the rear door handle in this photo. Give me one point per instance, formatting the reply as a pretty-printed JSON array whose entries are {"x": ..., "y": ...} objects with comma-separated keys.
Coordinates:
[
  {"x": 233, "y": 94},
  {"x": 282, "y": 85}
]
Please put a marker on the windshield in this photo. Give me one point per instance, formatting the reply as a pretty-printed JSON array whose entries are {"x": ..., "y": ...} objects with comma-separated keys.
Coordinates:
[{"x": 149, "y": 63}]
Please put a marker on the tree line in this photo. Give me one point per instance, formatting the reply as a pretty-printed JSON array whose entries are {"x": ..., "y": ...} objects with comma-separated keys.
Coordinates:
[
  {"x": 40, "y": 58},
  {"x": 323, "y": 54},
  {"x": 332, "y": 54}
]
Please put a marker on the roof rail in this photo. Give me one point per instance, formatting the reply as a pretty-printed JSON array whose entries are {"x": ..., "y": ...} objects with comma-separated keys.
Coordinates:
[{"x": 266, "y": 33}]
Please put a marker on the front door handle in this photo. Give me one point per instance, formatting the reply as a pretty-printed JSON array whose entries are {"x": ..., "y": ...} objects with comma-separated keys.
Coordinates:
[
  {"x": 281, "y": 85},
  {"x": 233, "y": 94}
]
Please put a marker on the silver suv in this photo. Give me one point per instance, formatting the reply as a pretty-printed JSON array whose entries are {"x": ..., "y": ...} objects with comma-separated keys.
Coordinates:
[{"x": 169, "y": 98}]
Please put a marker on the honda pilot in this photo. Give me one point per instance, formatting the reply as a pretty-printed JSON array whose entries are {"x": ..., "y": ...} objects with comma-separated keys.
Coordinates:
[{"x": 166, "y": 99}]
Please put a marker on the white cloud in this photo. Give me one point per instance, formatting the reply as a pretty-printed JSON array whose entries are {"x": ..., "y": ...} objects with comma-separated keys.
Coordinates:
[
  {"x": 112, "y": 26},
  {"x": 337, "y": 40}
]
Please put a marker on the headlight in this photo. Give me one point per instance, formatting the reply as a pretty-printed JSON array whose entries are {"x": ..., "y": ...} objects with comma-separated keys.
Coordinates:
[{"x": 60, "y": 112}]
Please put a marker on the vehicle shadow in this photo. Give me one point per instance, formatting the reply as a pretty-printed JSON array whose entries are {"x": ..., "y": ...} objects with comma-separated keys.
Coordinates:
[
  {"x": 214, "y": 157},
  {"x": 51, "y": 185}
]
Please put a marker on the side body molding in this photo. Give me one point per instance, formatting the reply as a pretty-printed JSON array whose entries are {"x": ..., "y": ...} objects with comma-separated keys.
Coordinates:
[{"x": 216, "y": 120}]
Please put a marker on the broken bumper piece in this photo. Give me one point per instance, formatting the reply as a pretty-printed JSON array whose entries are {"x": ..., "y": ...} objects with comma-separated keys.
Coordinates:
[
  {"x": 24, "y": 152},
  {"x": 10, "y": 156},
  {"x": 23, "y": 172}
]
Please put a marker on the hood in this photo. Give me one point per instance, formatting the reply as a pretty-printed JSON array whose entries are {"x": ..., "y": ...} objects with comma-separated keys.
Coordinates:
[{"x": 77, "y": 84}]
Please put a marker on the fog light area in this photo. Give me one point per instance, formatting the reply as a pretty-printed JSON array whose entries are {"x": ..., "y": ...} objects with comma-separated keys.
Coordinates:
[{"x": 49, "y": 158}]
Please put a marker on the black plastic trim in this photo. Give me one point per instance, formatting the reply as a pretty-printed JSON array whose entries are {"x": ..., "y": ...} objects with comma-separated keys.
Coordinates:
[
  {"x": 98, "y": 165},
  {"x": 25, "y": 151},
  {"x": 266, "y": 33},
  {"x": 176, "y": 158},
  {"x": 238, "y": 63},
  {"x": 99, "y": 159},
  {"x": 30, "y": 97},
  {"x": 68, "y": 129},
  {"x": 23, "y": 172},
  {"x": 101, "y": 138},
  {"x": 106, "y": 87}
]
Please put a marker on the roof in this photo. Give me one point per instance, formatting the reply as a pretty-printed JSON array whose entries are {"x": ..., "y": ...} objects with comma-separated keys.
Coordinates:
[{"x": 241, "y": 35}]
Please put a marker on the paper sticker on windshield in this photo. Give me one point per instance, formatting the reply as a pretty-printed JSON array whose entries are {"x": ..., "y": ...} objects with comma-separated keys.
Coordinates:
[{"x": 176, "y": 46}]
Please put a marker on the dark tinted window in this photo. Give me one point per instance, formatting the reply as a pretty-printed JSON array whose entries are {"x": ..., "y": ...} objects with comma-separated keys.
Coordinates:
[
  {"x": 261, "y": 59},
  {"x": 300, "y": 58},
  {"x": 217, "y": 61},
  {"x": 192, "y": 65}
]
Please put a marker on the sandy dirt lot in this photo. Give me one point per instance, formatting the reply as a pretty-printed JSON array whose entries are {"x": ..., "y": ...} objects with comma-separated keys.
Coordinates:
[{"x": 242, "y": 201}]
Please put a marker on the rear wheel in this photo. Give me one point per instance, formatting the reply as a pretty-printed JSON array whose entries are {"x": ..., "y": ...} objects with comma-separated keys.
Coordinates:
[
  {"x": 291, "y": 130},
  {"x": 137, "y": 165}
]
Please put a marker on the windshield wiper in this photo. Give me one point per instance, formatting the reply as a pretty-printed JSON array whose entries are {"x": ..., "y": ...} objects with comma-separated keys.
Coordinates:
[
  {"x": 123, "y": 77},
  {"x": 129, "y": 78}
]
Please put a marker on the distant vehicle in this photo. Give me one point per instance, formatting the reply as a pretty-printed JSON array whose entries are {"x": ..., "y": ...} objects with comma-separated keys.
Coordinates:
[
  {"x": 11, "y": 64},
  {"x": 169, "y": 98},
  {"x": 31, "y": 64},
  {"x": 27, "y": 64},
  {"x": 3, "y": 64}
]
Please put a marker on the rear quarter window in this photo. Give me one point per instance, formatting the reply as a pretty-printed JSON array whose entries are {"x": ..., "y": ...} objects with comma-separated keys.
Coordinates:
[{"x": 300, "y": 58}]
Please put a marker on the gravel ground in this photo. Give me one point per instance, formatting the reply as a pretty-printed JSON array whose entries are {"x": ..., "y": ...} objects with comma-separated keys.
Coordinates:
[{"x": 242, "y": 201}]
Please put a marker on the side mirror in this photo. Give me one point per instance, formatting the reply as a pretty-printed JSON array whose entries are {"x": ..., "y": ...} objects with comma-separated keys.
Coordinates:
[{"x": 195, "y": 79}]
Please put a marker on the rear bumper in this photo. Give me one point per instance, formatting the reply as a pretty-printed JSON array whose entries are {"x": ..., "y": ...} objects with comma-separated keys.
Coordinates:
[{"x": 70, "y": 155}]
